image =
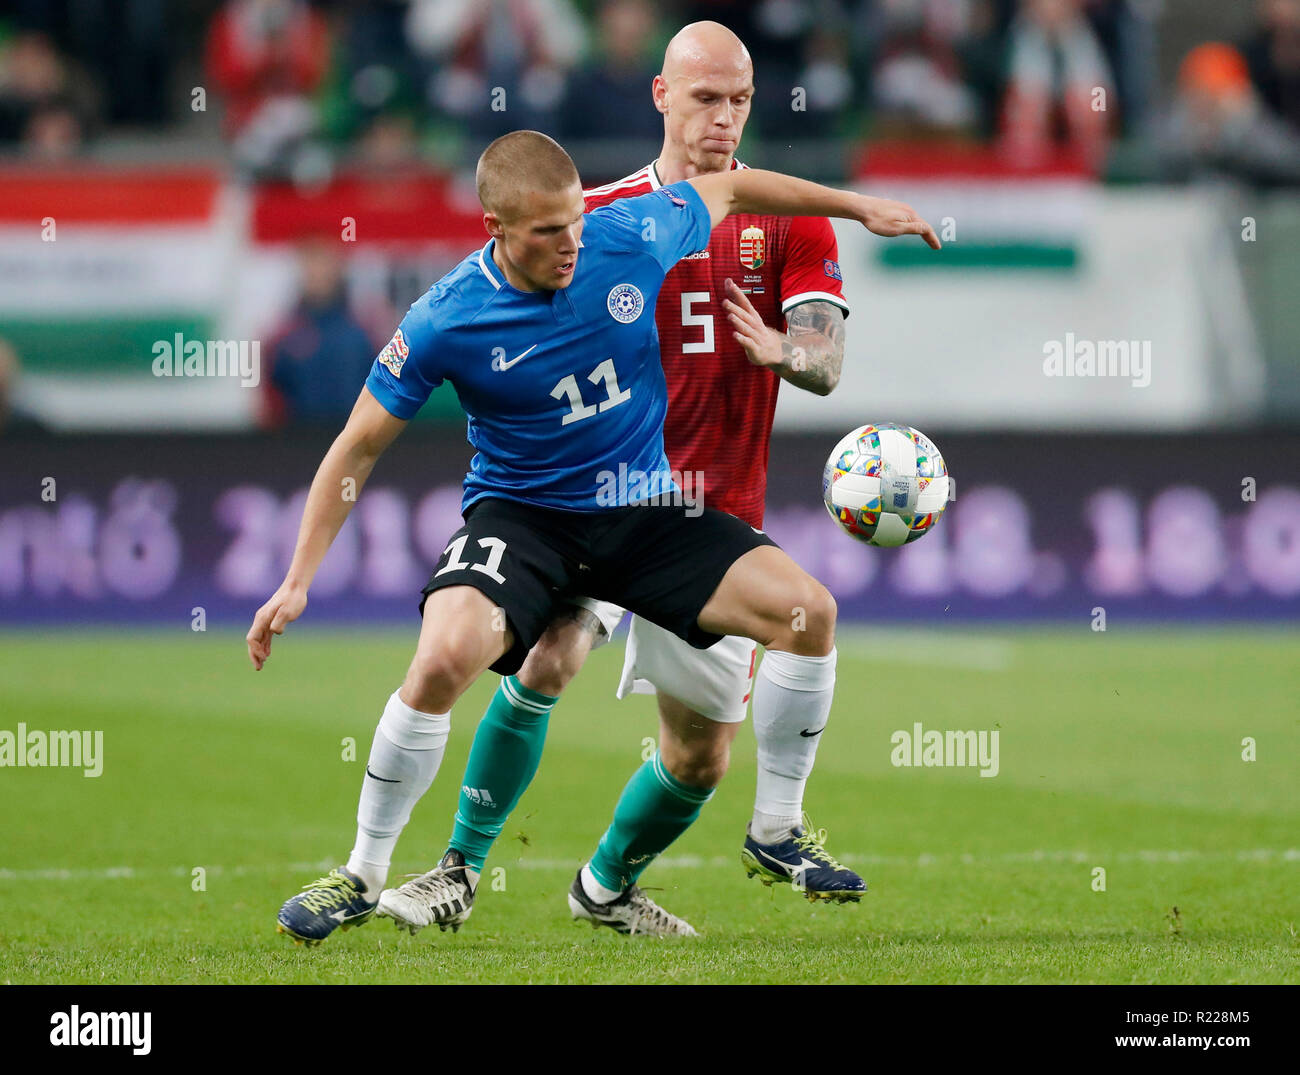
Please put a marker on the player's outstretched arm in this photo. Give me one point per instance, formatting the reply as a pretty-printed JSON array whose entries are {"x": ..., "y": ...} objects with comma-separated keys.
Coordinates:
[
  {"x": 753, "y": 190},
  {"x": 339, "y": 479}
]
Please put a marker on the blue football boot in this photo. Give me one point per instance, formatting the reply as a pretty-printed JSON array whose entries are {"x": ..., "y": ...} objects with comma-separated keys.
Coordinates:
[
  {"x": 802, "y": 861},
  {"x": 326, "y": 904}
]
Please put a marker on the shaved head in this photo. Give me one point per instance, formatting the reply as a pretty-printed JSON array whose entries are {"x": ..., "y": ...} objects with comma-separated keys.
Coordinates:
[
  {"x": 520, "y": 164},
  {"x": 704, "y": 93},
  {"x": 533, "y": 209},
  {"x": 705, "y": 48}
]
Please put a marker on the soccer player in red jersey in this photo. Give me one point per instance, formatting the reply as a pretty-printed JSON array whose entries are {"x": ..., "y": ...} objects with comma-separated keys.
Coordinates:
[{"x": 763, "y": 303}]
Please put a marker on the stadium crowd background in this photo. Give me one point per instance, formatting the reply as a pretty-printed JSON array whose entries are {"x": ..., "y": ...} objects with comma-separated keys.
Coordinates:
[
  {"x": 272, "y": 91},
  {"x": 296, "y": 86},
  {"x": 275, "y": 181},
  {"x": 307, "y": 93}
]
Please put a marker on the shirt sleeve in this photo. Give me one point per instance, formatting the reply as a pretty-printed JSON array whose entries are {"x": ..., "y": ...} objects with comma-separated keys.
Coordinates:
[
  {"x": 406, "y": 370},
  {"x": 668, "y": 223},
  {"x": 811, "y": 271}
]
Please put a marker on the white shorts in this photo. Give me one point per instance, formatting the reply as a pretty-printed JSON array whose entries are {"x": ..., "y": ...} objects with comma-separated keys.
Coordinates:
[
  {"x": 609, "y": 614},
  {"x": 715, "y": 682}
]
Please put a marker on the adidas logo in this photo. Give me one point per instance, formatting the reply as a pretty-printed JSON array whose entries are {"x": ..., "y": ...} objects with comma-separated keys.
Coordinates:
[{"x": 481, "y": 796}]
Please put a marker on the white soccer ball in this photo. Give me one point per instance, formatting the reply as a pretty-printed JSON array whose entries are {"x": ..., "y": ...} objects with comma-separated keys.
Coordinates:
[{"x": 886, "y": 484}]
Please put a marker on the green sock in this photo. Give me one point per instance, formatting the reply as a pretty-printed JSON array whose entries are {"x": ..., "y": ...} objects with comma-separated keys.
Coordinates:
[
  {"x": 502, "y": 763},
  {"x": 654, "y": 809}
]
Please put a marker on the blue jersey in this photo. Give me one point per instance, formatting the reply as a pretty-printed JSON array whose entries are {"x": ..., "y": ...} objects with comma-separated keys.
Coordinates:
[{"x": 564, "y": 389}]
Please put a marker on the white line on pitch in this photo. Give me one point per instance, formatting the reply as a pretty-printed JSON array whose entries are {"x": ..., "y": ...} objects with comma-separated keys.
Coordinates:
[
  {"x": 920, "y": 646},
  {"x": 695, "y": 862}
]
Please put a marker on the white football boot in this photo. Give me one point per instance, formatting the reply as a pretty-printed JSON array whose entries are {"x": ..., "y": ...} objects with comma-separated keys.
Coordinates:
[
  {"x": 443, "y": 897},
  {"x": 633, "y": 913}
]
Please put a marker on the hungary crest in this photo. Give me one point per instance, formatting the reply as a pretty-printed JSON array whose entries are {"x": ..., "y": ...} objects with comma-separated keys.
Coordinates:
[{"x": 753, "y": 248}]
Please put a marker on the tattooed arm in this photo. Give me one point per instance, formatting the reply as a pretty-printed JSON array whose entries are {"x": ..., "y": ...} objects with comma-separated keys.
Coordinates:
[
  {"x": 809, "y": 356},
  {"x": 812, "y": 350}
]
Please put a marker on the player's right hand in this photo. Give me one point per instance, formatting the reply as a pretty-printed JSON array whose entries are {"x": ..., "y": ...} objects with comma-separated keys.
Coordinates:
[
  {"x": 881, "y": 216},
  {"x": 285, "y": 606}
]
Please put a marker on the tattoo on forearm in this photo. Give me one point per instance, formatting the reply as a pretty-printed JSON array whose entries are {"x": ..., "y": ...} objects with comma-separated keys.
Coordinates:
[{"x": 812, "y": 349}]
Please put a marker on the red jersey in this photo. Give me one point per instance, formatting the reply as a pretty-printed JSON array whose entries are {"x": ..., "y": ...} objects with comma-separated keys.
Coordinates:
[{"x": 720, "y": 405}]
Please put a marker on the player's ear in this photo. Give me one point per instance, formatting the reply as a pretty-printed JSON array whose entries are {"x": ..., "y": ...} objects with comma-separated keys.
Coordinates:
[
  {"x": 492, "y": 224},
  {"x": 659, "y": 92}
]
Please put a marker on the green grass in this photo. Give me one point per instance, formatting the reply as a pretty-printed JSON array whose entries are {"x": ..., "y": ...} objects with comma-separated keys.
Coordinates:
[{"x": 1120, "y": 750}]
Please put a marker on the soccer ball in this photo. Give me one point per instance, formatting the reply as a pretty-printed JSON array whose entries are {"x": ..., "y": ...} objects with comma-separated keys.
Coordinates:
[{"x": 885, "y": 484}]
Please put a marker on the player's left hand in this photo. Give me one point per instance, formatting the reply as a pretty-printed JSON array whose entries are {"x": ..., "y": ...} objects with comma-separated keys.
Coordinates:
[
  {"x": 762, "y": 343},
  {"x": 880, "y": 216}
]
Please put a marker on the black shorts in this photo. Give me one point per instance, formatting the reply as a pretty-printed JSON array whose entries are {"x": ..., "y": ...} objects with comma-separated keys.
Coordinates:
[{"x": 656, "y": 560}]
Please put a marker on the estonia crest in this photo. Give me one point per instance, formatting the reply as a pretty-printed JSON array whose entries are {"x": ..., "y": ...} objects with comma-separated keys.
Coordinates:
[
  {"x": 753, "y": 248},
  {"x": 625, "y": 303}
]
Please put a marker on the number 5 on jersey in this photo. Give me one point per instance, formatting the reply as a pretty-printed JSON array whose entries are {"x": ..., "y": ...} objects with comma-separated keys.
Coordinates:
[
  {"x": 692, "y": 319},
  {"x": 578, "y": 410}
]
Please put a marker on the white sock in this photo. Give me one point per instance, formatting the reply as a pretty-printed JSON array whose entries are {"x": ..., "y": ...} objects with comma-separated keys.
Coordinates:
[
  {"x": 792, "y": 695},
  {"x": 404, "y": 759},
  {"x": 595, "y": 890},
  {"x": 773, "y": 828}
]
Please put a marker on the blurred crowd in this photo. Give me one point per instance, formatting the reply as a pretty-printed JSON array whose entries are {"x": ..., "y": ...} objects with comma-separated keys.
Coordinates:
[
  {"x": 300, "y": 83},
  {"x": 324, "y": 347}
]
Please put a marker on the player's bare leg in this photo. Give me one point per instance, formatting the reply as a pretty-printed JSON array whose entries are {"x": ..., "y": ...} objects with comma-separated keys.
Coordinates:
[
  {"x": 766, "y": 596},
  {"x": 561, "y": 652},
  {"x": 502, "y": 763},
  {"x": 462, "y": 635},
  {"x": 695, "y": 749}
]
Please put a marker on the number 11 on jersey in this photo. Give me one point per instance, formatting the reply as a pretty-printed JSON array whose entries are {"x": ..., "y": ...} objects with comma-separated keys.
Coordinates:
[{"x": 580, "y": 410}]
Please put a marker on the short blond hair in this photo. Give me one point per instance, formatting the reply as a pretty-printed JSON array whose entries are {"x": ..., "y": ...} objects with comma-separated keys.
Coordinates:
[{"x": 518, "y": 163}]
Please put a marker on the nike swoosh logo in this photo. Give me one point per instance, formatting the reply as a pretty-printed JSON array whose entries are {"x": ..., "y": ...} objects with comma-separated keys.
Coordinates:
[
  {"x": 384, "y": 780},
  {"x": 501, "y": 365},
  {"x": 794, "y": 867},
  {"x": 808, "y": 735}
]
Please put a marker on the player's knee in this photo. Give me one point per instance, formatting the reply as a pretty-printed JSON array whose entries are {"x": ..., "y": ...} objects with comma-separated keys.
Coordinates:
[
  {"x": 698, "y": 764},
  {"x": 548, "y": 669},
  {"x": 822, "y": 615},
  {"x": 439, "y": 675},
  {"x": 555, "y": 658},
  {"x": 812, "y": 620}
]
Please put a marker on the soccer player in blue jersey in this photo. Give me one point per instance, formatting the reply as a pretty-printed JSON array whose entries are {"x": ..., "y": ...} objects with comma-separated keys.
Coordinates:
[{"x": 548, "y": 336}]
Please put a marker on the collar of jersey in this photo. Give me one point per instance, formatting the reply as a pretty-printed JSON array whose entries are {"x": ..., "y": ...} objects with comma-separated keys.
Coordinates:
[
  {"x": 656, "y": 182},
  {"x": 484, "y": 257},
  {"x": 490, "y": 269}
]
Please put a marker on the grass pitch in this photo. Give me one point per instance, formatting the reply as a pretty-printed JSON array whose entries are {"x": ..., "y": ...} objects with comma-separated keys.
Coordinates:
[{"x": 1121, "y": 751}]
